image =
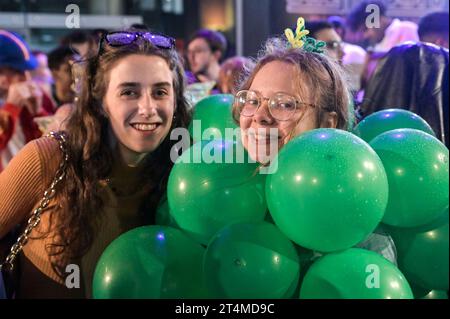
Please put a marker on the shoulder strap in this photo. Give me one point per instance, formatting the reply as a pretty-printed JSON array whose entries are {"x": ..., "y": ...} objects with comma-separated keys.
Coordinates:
[{"x": 35, "y": 217}]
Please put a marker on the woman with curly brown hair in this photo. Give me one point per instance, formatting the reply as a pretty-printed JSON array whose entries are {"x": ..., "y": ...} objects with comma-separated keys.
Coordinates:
[{"x": 116, "y": 163}]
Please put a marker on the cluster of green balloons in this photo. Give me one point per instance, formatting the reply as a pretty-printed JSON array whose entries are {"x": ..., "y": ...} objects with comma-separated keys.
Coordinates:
[
  {"x": 417, "y": 167},
  {"x": 423, "y": 253},
  {"x": 330, "y": 189}
]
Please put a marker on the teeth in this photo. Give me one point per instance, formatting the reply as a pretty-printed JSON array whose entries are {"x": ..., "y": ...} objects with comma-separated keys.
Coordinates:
[
  {"x": 144, "y": 127},
  {"x": 264, "y": 137}
]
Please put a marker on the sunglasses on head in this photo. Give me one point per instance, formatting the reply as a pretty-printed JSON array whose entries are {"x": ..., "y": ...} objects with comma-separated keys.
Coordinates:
[{"x": 121, "y": 38}]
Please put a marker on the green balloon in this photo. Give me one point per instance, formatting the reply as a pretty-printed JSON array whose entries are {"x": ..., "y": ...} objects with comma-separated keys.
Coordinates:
[
  {"x": 213, "y": 113},
  {"x": 150, "y": 262},
  {"x": 206, "y": 195},
  {"x": 418, "y": 292},
  {"x": 436, "y": 294},
  {"x": 251, "y": 260},
  {"x": 329, "y": 191},
  {"x": 417, "y": 167},
  {"x": 354, "y": 274},
  {"x": 388, "y": 120},
  {"x": 422, "y": 253}
]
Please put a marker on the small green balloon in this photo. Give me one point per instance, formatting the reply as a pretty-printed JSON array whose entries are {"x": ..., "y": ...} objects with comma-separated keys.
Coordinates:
[
  {"x": 354, "y": 274},
  {"x": 251, "y": 260},
  {"x": 206, "y": 195},
  {"x": 417, "y": 167},
  {"x": 423, "y": 253},
  {"x": 388, "y": 120},
  {"x": 213, "y": 113},
  {"x": 329, "y": 191},
  {"x": 150, "y": 262}
]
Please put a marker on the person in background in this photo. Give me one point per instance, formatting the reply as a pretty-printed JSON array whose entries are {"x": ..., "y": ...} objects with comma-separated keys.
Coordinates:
[
  {"x": 21, "y": 99},
  {"x": 354, "y": 55},
  {"x": 389, "y": 33},
  {"x": 83, "y": 42},
  {"x": 231, "y": 72},
  {"x": 323, "y": 30},
  {"x": 205, "y": 51},
  {"x": 413, "y": 76},
  {"x": 60, "y": 62},
  {"x": 434, "y": 28},
  {"x": 42, "y": 75}
]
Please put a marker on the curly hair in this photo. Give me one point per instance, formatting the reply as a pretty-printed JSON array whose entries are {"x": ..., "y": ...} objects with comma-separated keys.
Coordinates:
[{"x": 91, "y": 158}]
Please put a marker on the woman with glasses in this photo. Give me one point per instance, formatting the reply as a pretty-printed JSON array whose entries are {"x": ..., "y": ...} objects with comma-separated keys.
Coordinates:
[
  {"x": 291, "y": 91},
  {"x": 115, "y": 160}
]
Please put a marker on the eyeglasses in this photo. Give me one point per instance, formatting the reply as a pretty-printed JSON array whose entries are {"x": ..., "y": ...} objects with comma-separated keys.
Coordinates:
[
  {"x": 120, "y": 38},
  {"x": 281, "y": 106},
  {"x": 333, "y": 45}
]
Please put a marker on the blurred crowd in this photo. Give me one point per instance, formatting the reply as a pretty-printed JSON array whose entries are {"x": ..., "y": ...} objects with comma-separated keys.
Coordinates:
[{"x": 38, "y": 89}]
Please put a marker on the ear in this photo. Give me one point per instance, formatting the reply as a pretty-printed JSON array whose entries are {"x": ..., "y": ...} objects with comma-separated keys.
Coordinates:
[
  {"x": 218, "y": 55},
  {"x": 329, "y": 120},
  {"x": 55, "y": 74}
]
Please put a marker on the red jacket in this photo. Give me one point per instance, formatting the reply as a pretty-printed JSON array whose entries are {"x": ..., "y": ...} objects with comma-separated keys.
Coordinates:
[{"x": 18, "y": 128}]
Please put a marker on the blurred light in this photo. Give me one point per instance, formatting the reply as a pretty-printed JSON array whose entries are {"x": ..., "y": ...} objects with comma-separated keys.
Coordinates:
[
  {"x": 431, "y": 234},
  {"x": 182, "y": 186},
  {"x": 394, "y": 284},
  {"x": 160, "y": 236},
  {"x": 298, "y": 178},
  {"x": 276, "y": 259},
  {"x": 369, "y": 165}
]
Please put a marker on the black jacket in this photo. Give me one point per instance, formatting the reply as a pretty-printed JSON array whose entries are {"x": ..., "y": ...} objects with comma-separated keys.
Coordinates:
[{"x": 412, "y": 76}]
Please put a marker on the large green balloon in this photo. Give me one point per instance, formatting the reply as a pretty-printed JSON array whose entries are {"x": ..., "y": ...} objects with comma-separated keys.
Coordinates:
[
  {"x": 205, "y": 195},
  {"x": 329, "y": 191},
  {"x": 354, "y": 274},
  {"x": 214, "y": 114},
  {"x": 251, "y": 260},
  {"x": 388, "y": 120},
  {"x": 416, "y": 164},
  {"x": 422, "y": 253},
  {"x": 150, "y": 262}
]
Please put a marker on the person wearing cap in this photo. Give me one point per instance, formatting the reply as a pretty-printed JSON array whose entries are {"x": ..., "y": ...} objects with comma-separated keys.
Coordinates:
[{"x": 21, "y": 99}]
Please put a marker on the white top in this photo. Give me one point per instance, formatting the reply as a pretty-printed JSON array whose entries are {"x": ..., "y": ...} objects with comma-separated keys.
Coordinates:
[{"x": 397, "y": 33}]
